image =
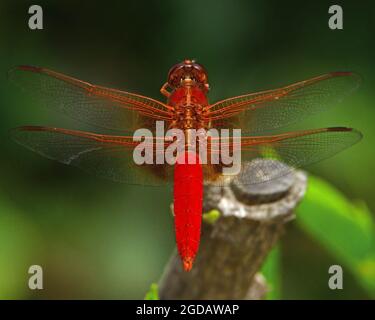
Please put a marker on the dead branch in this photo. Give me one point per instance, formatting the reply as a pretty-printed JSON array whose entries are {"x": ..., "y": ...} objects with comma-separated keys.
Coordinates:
[{"x": 234, "y": 247}]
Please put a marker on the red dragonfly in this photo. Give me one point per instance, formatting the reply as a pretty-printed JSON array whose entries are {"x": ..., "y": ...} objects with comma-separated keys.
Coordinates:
[{"x": 186, "y": 108}]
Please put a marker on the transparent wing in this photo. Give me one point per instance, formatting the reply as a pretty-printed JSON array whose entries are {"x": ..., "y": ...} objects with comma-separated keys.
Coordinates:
[
  {"x": 107, "y": 156},
  {"x": 268, "y": 110},
  {"x": 295, "y": 149},
  {"x": 96, "y": 105}
]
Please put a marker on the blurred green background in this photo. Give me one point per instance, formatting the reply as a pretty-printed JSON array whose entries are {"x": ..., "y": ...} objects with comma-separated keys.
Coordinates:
[{"x": 98, "y": 239}]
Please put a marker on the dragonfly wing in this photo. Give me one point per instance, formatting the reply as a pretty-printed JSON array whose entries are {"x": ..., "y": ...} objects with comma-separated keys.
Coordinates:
[
  {"x": 268, "y": 110},
  {"x": 96, "y": 105},
  {"x": 107, "y": 156},
  {"x": 295, "y": 149}
]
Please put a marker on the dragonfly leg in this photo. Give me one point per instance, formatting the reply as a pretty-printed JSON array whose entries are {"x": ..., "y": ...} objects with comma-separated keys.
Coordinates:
[{"x": 164, "y": 90}]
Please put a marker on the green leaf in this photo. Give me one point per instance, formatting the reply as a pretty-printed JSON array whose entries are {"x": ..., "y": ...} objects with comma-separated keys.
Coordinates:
[
  {"x": 152, "y": 294},
  {"x": 346, "y": 229},
  {"x": 271, "y": 271},
  {"x": 211, "y": 216}
]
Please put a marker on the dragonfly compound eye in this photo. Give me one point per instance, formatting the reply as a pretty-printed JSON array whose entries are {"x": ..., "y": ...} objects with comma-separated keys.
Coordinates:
[{"x": 188, "y": 69}]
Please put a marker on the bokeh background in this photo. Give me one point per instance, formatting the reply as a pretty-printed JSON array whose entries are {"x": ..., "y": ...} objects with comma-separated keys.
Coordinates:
[{"x": 98, "y": 239}]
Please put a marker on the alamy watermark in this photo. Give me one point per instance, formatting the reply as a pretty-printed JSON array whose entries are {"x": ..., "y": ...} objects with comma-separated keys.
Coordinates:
[
  {"x": 335, "y": 281},
  {"x": 336, "y": 20},
  {"x": 36, "y": 280},
  {"x": 211, "y": 147},
  {"x": 36, "y": 18}
]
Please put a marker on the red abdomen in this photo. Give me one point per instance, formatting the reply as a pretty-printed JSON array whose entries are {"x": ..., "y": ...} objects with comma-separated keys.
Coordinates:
[{"x": 188, "y": 197}]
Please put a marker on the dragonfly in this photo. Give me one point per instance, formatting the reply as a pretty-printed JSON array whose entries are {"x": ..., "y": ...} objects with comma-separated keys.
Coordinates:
[{"x": 186, "y": 108}]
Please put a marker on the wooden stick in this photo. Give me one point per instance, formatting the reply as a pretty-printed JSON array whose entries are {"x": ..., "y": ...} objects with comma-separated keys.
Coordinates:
[{"x": 234, "y": 247}]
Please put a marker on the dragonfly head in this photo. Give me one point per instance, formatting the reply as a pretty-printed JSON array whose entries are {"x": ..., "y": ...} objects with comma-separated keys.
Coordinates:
[{"x": 188, "y": 71}]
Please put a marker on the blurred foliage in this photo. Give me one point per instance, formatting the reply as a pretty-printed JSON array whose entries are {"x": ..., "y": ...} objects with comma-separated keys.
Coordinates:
[
  {"x": 97, "y": 239},
  {"x": 344, "y": 228},
  {"x": 271, "y": 270},
  {"x": 20, "y": 247}
]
